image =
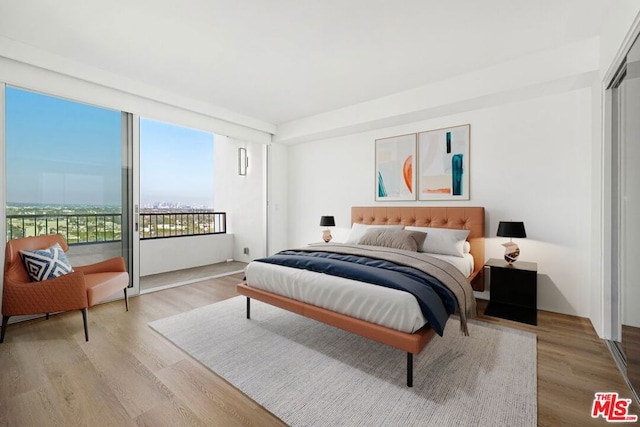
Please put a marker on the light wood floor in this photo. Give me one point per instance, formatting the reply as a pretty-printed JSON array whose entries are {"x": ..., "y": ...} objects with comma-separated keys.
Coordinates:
[{"x": 127, "y": 374}]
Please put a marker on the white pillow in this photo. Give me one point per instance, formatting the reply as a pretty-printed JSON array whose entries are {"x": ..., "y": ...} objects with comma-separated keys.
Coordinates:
[
  {"x": 443, "y": 241},
  {"x": 467, "y": 247},
  {"x": 358, "y": 231}
]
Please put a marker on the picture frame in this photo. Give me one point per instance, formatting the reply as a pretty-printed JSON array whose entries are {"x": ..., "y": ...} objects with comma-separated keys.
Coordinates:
[
  {"x": 443, "y": 164},
  {"x": 395, "y": 168}
]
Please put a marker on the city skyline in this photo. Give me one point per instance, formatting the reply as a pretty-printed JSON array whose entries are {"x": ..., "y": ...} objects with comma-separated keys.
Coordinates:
[
  {"x": 61, "y": 152},
  {"x": 22, "y": 206}
]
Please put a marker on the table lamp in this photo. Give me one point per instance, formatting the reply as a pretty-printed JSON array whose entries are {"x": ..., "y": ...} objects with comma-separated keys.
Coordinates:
[
  {"x": 511, "y": 229},
  {"x": 327, "y": 221}
]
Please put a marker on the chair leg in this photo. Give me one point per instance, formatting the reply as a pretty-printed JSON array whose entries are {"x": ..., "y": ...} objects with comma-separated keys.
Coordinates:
[
  {"x": 126, "y": 299},
  {"x": 84, "y": 320},
  {"x": 5, "y": 320}
]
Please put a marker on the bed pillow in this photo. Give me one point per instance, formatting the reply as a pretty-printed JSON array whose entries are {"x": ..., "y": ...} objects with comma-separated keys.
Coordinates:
[
  {"x": 467, "y": 247},
  {"x": 443, "y": 241},
  {"x": 397, "y": 239},
  {"x": 45, "y": 264},
  {"x": 358, "y": 231}
]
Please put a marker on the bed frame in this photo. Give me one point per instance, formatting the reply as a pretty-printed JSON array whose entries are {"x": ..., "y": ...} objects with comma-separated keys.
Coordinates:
[{"x": 466, "y": 218}]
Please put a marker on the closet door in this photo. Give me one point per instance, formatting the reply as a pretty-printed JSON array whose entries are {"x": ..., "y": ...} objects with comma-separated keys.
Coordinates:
[{"x": 629, "y": 211}]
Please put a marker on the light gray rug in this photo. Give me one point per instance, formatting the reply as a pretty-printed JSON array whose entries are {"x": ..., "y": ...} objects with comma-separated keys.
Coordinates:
[{"x": 311, "y": 374}]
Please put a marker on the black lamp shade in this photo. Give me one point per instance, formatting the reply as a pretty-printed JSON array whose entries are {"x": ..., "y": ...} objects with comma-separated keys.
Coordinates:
[
  {"x": 327, "y": 221},
  {"x": 511, "y": 229}
]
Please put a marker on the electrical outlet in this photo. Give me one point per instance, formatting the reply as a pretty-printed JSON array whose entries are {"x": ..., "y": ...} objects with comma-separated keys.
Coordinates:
[{"x": 246, "y": 251}]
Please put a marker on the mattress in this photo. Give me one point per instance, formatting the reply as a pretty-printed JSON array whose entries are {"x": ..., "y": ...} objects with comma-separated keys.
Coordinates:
[{"x": 384, "y": 306}]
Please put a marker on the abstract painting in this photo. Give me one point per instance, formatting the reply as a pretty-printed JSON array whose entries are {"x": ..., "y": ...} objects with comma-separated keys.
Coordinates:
[
  {"x": 443, "y": 162},
  {"x": 395, "y": 168}
]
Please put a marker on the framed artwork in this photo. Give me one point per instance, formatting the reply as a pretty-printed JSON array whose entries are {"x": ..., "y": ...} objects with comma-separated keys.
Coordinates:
[
  {"x": 443, "y": 164},
  {"x": 395, "y": 168}
]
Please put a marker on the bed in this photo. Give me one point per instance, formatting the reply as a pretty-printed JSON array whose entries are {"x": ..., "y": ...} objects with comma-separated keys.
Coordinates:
[{"x": 267, "y": 283}]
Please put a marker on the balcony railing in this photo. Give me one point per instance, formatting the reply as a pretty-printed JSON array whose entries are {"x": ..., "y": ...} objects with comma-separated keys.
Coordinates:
[
  {"x": 76, "y": 228},
  {"x": 174, "y": 224},
  {"x": 107, "y": 227}
]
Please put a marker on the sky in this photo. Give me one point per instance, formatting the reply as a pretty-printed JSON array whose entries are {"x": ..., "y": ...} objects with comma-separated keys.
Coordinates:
[
  {"x": 176, "y": 164},
  {"x": 63, "y": 152}
]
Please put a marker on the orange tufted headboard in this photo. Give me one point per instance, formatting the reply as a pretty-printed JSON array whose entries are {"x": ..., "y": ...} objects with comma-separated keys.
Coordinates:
[{"x": 466, "y": 218}]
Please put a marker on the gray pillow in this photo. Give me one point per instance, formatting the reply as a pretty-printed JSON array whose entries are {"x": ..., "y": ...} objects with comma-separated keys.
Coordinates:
[{"x": 397, "y": 239}]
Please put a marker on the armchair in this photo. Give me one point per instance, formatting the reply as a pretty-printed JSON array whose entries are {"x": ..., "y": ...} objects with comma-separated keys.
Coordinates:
[{"x": 84, "y": 287}]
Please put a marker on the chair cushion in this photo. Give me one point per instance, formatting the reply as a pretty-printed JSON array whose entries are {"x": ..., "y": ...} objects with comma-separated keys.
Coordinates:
[
  {"x": 45, "y": 264},
  {"x": 101, "y": 286}
]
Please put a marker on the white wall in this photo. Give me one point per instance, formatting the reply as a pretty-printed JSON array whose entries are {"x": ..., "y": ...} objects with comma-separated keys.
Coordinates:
[
  {"x": 92, "y": 253},
  {"x": 530, "y": 161},
  {"x": 278, "y": 208},
  {"x": 241, "y": 197},
  {"x": 177, "y": 253}
]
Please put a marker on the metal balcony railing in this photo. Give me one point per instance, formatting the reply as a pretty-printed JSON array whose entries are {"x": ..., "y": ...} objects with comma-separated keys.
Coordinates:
[
  {"x": 107, "y": 227},
  {"x": 76, "y": 228},
  {"x": 174, "y": 224}
]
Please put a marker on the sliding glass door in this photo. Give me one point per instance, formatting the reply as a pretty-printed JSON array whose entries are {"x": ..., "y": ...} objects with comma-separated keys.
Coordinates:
[
  {"x": 69, "y": 171},
  {"x": 177, "y": 215},
  {"x": 625, "y": 211}
]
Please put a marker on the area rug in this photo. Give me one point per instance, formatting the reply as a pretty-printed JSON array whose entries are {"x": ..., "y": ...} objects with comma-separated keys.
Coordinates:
[{"x": 311, "y": 374}]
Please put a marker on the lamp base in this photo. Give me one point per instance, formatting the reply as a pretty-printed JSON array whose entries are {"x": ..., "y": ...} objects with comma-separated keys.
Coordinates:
[
  {"x": 511, "y": 252},
  {"x": 326, "y": 235}
]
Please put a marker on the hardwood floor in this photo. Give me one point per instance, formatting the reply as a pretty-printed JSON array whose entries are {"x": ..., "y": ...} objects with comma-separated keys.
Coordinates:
[{"x": 127, "y": 374}]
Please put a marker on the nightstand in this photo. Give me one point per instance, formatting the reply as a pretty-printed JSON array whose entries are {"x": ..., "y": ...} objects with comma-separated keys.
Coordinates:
[{"x": 513, "y": 291}]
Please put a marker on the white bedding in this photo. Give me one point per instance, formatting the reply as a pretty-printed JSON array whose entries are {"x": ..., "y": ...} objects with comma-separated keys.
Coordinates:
[
  {"x": 388, "y": 307},
  {"x": 464, "y": 264}
]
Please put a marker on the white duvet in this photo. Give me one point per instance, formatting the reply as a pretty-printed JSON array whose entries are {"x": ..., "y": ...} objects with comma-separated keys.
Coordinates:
[{"x": 387, "y": 307}]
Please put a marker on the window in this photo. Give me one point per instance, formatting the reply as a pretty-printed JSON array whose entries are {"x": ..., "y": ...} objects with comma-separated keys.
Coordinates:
[
  {"x": 63, "y": 167},
  {"x": 176, "y": 182}
]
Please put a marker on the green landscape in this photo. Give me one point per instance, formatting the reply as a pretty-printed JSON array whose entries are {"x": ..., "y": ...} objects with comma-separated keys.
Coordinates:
[
  {"x": 92, "y": 224},
  {"x": 78, "y": 224}
]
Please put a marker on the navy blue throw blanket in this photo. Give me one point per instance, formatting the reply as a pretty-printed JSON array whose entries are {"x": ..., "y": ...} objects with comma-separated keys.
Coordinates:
[{"x": 435, "y": 300}]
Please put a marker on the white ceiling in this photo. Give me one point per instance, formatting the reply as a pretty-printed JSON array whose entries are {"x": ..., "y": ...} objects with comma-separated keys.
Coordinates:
[{"x": 280, "y": 60}]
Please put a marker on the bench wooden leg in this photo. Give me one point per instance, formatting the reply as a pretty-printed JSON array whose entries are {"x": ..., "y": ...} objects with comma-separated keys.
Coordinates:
[
  {"x": 248, "y": 308},
  {"x": 409, "y": 369},
  {"x": 126, "y": 299}
]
